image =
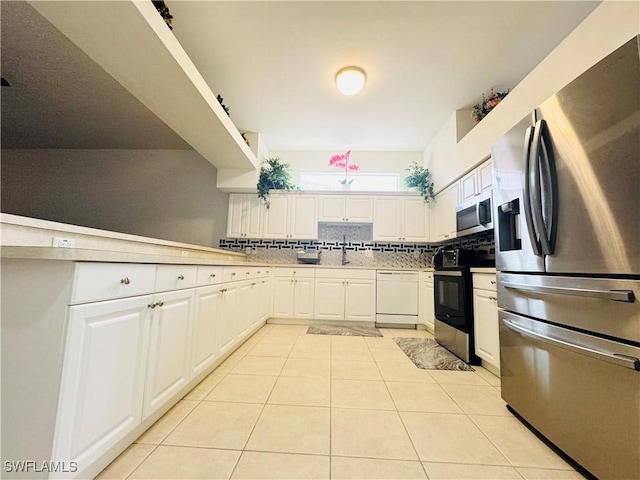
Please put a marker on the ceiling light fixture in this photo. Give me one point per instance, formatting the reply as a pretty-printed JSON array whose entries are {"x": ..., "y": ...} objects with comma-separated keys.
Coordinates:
[{"x": 350, "y": 80}]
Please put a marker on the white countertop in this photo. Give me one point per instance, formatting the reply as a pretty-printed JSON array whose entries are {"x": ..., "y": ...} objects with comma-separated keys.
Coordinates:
[{"x": 30, "y": 238}]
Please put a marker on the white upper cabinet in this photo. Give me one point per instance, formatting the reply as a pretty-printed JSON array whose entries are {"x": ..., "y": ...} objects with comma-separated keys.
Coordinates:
[
  {"x": 469, "y": 186},
  {"x": 477, "y": 181},
  {"x": 400, "y": 219},
  {"x": 415, "y": 223},
  {"x": 245, "y": 216},
  {"x": 387, "y": 221},
  {"x": 443, "y": 214},
  {"x": 292, "y": 217},
  {"x": 485, "y": 176},
  {"x": 345, "y": 208}
]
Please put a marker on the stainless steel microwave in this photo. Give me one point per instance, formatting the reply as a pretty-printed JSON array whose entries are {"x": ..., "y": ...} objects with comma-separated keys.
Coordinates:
[{"x": 474, "y": 216}]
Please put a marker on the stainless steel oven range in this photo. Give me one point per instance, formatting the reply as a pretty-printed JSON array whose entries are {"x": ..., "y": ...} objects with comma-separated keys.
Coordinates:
[{"x": 453, "y": 298}]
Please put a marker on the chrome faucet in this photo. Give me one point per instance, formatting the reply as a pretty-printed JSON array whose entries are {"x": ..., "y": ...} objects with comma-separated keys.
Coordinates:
[{"x": 344, "y": 250}]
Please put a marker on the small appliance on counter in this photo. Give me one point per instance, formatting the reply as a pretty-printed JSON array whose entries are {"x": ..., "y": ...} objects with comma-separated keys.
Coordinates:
[{"x": 309, "y": 256}]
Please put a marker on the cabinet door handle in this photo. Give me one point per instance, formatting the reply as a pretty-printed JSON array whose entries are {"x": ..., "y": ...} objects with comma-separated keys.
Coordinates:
[
  {"x": 233, "y": 274},
  {"x": 493, "y": 298},
  {"x": 180, "y": 277},
  {"x": 125, "y": 281},
  {"x": 160, "y": 304},
  {"x": 151, "y": 305},
  {"x": 493, "y": 282}
]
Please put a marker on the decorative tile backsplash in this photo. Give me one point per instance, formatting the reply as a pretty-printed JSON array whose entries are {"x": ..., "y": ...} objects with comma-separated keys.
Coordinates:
[{"x": 361, "y": 250}]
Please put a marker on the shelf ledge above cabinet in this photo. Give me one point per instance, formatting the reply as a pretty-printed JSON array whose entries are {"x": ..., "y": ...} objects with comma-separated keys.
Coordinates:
[{"x": 132, "y": 43}]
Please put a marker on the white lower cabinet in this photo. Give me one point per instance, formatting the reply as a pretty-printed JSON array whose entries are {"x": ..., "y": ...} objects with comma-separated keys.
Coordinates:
[
  {"x": 102, "y": 387},
  {"x": 168, "y": 368},
  {"x": 360, "y": 300},
  {"x": 125, "y": 359},
  {"x": 485, "y": 308},
  {"x": 293, "y": 293},
  {"x": 345, "y": 295},
  {"x": 205, "y": 349},
  {"x": 426, "y": 304},
  {"x": 228, "y": 331},
  {"x": 330, "y": 299}
]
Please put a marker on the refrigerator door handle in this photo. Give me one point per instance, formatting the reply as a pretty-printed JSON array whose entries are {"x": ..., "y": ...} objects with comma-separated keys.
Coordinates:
[
  {"x": 618, "y": 359},
  {"x": 526, "y": 197},
  {"x": 535, "y": 166},
  {"x": 616, "y": 295},
  {"x": 547, "y": 185}
]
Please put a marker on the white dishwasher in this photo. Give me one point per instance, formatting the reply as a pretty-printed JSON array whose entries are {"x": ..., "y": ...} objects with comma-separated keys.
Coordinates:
[{"x": 397, "y": 298}]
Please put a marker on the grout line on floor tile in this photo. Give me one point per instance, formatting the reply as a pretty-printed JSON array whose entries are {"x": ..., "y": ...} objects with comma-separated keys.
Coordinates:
[{"x": 155, "y": 447}]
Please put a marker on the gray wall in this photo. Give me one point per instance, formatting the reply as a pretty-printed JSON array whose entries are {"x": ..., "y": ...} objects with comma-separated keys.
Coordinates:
[{"x": 166, "y": 194}]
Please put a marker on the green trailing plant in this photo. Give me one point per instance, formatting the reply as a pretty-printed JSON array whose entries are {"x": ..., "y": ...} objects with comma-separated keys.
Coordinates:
[
  {"x": 420, "y": 177},
  {"x": 274, "y": 175}
]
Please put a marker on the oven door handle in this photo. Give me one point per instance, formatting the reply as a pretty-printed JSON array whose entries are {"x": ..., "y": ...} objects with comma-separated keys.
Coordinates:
[
  {"x": 616, "y": 295},
  {"x": 455, "y": 273},
  {"x": 615, "y": 358}
]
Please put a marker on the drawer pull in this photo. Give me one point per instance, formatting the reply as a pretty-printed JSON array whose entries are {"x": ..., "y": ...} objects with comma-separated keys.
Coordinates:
[
  {"x": 493, "y": 282},
  {"x": 160, "y": 304},
  {"x": 125, "y": 281},
  {"x": 180, "y": 277},
  {"x": 233, "y": 274},
  {"x": 213, "y": 275}
]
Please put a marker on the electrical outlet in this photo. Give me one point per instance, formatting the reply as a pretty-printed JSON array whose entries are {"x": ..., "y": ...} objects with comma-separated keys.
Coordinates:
[
  {"x": 368, "y": 253},
  {"x": 62, "y": 242}
]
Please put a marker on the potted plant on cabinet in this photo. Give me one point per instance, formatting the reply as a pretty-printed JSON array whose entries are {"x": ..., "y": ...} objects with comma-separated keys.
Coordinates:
[
  {"x": 274, "y": 175},
  {"x": 420, "y": 177}
]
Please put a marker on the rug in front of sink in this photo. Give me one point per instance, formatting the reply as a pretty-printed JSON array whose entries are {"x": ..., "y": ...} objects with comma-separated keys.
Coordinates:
[
  {"x": 428, "y": 355},
  {"x": 353, "y": 331}
]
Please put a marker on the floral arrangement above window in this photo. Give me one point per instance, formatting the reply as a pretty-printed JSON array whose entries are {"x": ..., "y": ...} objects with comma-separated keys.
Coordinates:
[
  {"x": 342, "y": 161},
  {"x": 487, "y": 104}
]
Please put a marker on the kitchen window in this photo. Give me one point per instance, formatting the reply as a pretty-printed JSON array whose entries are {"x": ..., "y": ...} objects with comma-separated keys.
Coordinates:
[{"x": 367, "y": 182}]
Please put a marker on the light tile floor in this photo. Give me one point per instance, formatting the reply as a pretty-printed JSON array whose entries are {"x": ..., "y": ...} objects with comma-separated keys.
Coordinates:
[{"x": 291, "y": 405}]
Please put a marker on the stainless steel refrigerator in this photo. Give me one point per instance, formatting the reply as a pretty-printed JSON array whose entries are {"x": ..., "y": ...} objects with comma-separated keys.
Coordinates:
[{"x": 567, "y": 218}]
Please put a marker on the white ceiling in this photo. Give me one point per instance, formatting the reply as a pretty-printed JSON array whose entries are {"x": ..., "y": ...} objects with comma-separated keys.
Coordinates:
[{"x": 274, "y": 64}]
